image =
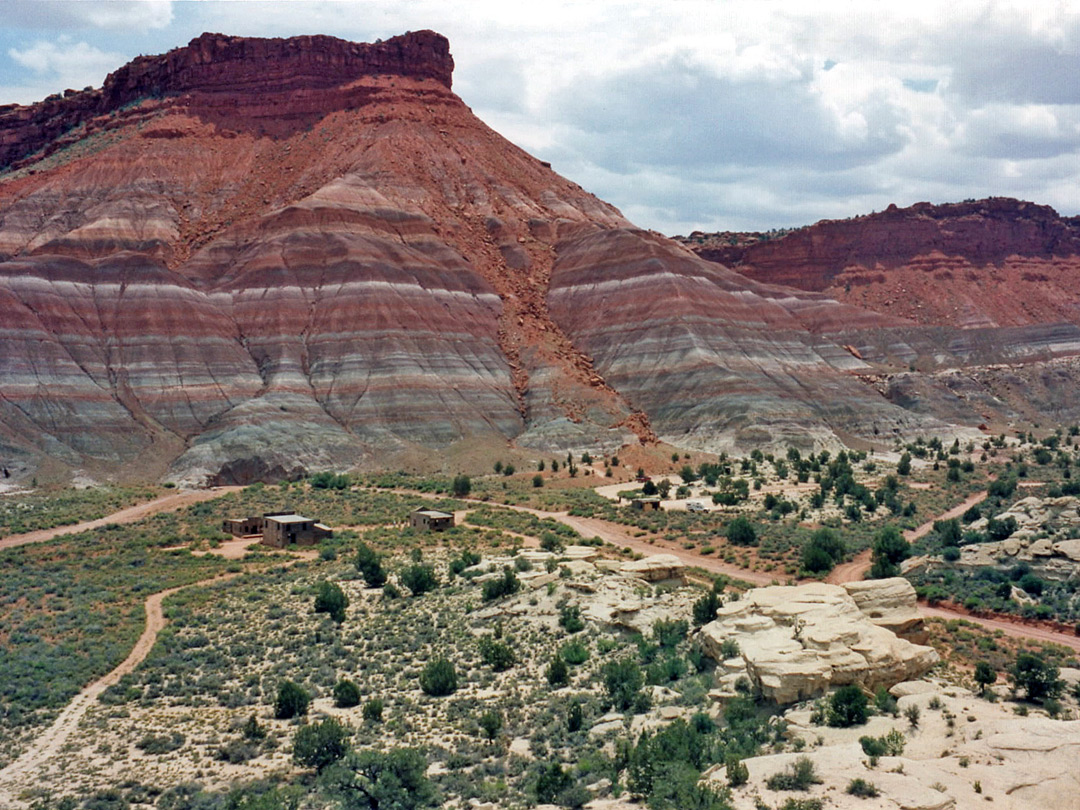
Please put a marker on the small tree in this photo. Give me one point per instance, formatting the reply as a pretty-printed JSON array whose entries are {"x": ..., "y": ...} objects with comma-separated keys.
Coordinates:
[
  {"x": 904, "y": 467},
  {"x": 538, "y": 480},
  {"x": 705, "y": 608},
  {"x": 331, "y": 599},
  {"x": 737, "y": 772},
  {"x": 574, "y": 717},
  {"x": 439, "y": 678},
  {"x": 292, "y": 701},
  {"x": 889, "y": 550},
  {"x": 1036, "y": 676},
  {"x": 320, "y": 744},
  {"x": 558, "y": 673},
  {"x": 622, "y": 682},
  {"x": 373, "y": 710},
  {"x": 491, "y": 723},
  {"x": 419, "y": 579},
  {"x": 370, "y": 566},
  {"x": 496, "y": 654},
  {"x": 984, "y": 675},
  {"x": 346, "y": 694},
  {"x": 848, "y": 706},
  {"x": 649, "y": 489},
  {"x": 741, "y": 532},
  {"x": 461, "y": 486}
]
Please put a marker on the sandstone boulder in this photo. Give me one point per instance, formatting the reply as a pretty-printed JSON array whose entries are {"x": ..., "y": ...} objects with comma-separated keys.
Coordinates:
[
  {"x": 892, "y": 604},
  {"x": 657, "y": 568},
  {"x": 798, "y": 642}
]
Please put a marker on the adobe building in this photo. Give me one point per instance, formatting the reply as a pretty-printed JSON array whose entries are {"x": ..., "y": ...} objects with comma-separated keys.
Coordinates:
[
  {"x": 279, "y": 529},
  {"x": 431, "y": 520},
  {"x": 242, "y": 527}
]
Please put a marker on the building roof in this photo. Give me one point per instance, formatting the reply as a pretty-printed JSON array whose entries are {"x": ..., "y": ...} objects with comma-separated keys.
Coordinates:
[
  {"x": 435, "y": 513},
  {"x": 289, "y": 518},
  {"x": 648, "y": 499}
]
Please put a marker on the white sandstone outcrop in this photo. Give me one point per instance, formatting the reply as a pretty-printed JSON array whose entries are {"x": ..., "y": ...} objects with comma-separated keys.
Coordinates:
[{"x": 797, "y": 642}]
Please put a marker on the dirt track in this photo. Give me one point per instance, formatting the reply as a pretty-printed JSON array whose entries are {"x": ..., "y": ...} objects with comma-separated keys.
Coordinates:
[
  {"x": 49, "y": 742},
  {"x": 1015, "y": 629},
  {"x": 167, "y": 503}
]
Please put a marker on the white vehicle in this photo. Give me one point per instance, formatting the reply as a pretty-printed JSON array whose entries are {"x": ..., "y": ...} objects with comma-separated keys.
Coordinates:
[{"x": 695, "y": 506}]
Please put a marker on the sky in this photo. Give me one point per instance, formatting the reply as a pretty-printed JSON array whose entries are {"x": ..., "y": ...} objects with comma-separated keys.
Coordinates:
[{"x": 685, "y": 114}]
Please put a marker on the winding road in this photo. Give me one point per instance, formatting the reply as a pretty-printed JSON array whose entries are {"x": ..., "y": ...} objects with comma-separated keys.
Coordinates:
[{"x": 166, "y": 503}]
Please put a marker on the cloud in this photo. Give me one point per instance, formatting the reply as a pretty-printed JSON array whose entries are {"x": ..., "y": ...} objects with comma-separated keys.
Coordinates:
[
  {"x": 66, "y": 64},
  {"x": 125, "y": 15}
]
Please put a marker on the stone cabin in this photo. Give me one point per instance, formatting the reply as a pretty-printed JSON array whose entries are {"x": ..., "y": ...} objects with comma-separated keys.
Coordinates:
[
  {"x": 646, "y": 504},
  {"x": 242, "y": 527},
  {"x": 431, "y": 520},
  {"x": 279, "y": 529}
]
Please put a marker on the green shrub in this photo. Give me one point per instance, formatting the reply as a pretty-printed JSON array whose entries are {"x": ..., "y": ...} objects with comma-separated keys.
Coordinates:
[
  {"x": 419, "y": 579},
  {"x": 292, "y": 701},
  {"x": 346, "y": 694},
  {"x": 557, "y": 673},
  {"x": 847, "y": 707},
  {"x": 461, "y": 486},
  {"x": 161, "y": 743},
  {"x": 370, "y": 566},
  {"x": 799, "y": 775},
  {"x": 373, "y": 710},
  {"x": 1038, "y": 677},
  {"x": 491, "y": 723},
  {"x": 570, "y": 619},
  {"x": 705, "y": 608},
  {"x": 439, "y": 678},
  {"x": 574, "y": 717},
  {"x": 320, "y": 744},
  {"x": 331, "y": 599},
  {"x": 574, "y": 653},
  {"x": 737, "y": 772},
  {"x": 622, "y": 680},
  {"x": 862, "y": 789},
  {"x": 741, "y": 532},
  {"x": 505, "y": 585},
  {"x": 496, "y": 654}
]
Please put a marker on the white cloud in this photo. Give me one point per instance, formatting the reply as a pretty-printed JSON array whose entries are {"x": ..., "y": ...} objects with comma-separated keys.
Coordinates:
[
  {"x": 65, "y": 63},
  {"x": 124, "y": 15}
]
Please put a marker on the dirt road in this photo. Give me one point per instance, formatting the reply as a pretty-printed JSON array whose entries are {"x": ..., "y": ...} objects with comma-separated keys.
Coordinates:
[
  {"x": 956, "y": 511},
  {"x": 167, "y": 503},
  {"x": 49, "y": 742},
  {"x": 1015, "y": 629}
]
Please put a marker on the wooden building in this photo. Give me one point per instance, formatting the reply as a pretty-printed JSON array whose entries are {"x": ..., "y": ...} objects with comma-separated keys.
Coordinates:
[
  {"x": 431, "y": 520},
  {"x": 646, "y": 504}
]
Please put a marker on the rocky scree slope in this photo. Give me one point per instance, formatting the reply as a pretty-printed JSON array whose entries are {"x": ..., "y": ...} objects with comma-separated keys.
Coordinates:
[{"x": 249, "y": 258}]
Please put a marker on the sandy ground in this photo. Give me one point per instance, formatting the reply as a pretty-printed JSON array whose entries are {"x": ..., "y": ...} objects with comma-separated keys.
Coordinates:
[
  {"x": 167, "y": 503},
  {"x": 52, "y": 739}
]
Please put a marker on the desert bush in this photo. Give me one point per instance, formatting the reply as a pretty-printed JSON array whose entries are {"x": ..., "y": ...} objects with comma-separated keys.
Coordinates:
[
  {"x": 320, "y": 744},
  {"x": 439, "y": 678},
  {"x": 862, "y": 789},
  {"x": 847, "y": 707},
  {"x": 292, "y": 701},
  {"x": 331, "y": 599},
  {"x": 419, "y": 579},
  {"x": 370, "y": 566},
  {"x": 498, "y": 655},
  {"x": 505, "y": 585},
  {"x": 346, "y": 694},
  {"x": 799, "y": 775},
  {"x": 373, "y": 710}
]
